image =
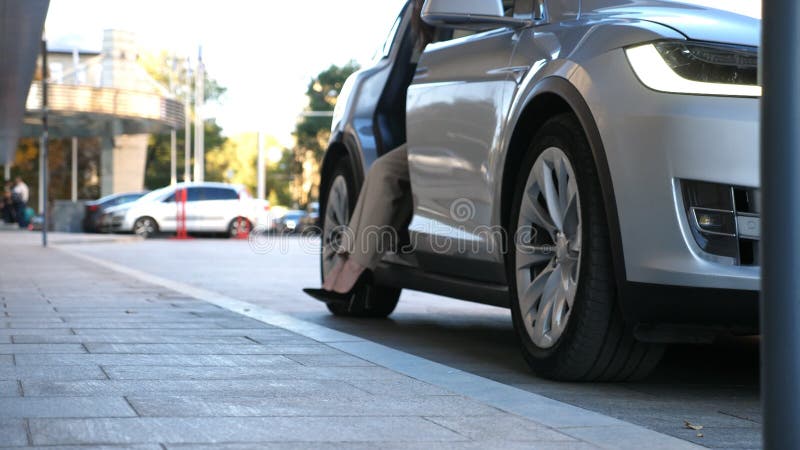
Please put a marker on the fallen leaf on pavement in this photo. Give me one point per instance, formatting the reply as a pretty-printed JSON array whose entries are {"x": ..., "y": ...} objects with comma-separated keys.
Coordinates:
[{"x": 692, "y": 426}]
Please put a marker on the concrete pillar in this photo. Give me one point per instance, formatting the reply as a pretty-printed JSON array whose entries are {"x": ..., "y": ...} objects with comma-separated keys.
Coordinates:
[
  {"x": 173, "y": 158},
  {"x": 130, "y": 160},
  {"x": 7, "y": 171},
  {"x": 107, "y": 165},
  {"x": 74, "y": 167}
]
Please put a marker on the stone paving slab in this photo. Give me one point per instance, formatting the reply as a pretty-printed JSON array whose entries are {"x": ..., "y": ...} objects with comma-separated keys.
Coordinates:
[
  {"x": 13, "y": 432},
  {"x": 266, "y": 388},
  {"x": 153, "y": 360},
  {"x": 131, "y": 339},
  {"x": 71, "y": 407},
  {"x": 63, "y": 373},
  {"x": 9, "y": 388},
  {"x": 41, "y": 348},
  {"x": 294, "y": 372},
  {"x": 321, "y": 406},
  {"x": 248, "y": 348},
  {"x": 239, "y": 429}
]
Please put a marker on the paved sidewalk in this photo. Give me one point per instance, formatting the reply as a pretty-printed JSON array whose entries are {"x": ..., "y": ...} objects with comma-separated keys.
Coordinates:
[{"x": 93, "y": 357}]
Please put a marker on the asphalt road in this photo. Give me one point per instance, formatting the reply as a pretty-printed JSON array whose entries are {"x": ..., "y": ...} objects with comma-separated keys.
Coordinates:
[{"x": 715, "y": 386}]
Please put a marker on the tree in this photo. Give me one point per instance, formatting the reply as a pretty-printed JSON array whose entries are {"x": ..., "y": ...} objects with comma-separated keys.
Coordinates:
[
  {"x": 313, "y": 132},
  {"x": 236, "y": 162},
  {"x": 176, "y": 76}
]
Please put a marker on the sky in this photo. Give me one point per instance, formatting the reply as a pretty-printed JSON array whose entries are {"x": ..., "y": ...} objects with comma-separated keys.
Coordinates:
[{"x": 264, "y": 51}]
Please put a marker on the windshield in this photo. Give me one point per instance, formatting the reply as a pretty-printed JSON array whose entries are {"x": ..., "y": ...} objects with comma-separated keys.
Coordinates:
[{"x": 153, "y": 195}]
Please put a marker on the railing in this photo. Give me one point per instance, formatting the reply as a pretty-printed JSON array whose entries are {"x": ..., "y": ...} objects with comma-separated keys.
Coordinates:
[{"x": 108, "y": 101}]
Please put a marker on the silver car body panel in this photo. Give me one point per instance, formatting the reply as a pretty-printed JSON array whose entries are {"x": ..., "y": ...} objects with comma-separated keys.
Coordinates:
[{"x": 470, "y": 95}]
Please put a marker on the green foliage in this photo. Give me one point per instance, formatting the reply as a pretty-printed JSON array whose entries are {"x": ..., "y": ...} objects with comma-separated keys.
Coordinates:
[
  {"x": 279, "y": 177},
  {"x": 173, "y": 74},
  {"x": 157, "y": 172},
  {"x": 322, "y": 93}
]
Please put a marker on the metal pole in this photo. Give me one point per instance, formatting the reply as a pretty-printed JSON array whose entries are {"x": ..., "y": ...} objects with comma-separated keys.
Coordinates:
[
  {"x": 780, "y": 194},
  {"x": 44, "y": 148},
  {"x": 260, "y": 172},
  {"x": 74, "y": 169},
  {"x": 187, "y": 134},
  {"x": 7, "y": 171},
  {"x": 173, "y": 158},
  {"x": 199, "y": 138}
]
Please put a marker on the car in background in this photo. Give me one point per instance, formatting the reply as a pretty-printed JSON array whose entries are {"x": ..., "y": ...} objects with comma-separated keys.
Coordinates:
[
  {"x": 94, "y": 210},
  {"x": 291, "y": 222},
  {"x": 310, "y": 223},
  {"x": 210, "y": 208}
]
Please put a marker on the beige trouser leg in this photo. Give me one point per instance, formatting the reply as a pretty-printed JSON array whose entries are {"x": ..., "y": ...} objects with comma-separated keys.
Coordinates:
[{"x": 384, "y": 205}]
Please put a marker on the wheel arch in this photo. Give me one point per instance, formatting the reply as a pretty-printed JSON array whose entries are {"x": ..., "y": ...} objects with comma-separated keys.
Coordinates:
[
  {"x": 550, "y": 97},
  {"x": 338, "y": 148}
]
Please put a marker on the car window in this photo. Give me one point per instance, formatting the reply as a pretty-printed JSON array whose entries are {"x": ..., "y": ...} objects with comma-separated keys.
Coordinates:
[
  {"x": 196, "y": 194},
  {"x": 386, "y": 48},
  {"x": 220, "y": 194}
]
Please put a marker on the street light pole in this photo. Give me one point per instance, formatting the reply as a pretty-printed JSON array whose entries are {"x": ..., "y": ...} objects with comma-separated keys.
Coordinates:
[
  {"x": 199, "y": 138},
  {"x": 187, "y": 122},
  {"x": 261, "y": 170},
  {"x": 44, "y": 147},
  {"x": 780, "y": 194}
]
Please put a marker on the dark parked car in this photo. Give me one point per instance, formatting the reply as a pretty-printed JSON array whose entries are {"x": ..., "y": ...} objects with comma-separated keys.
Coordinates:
[
  {"x": 310, "y": 223},
  {"x": 95, "y": 209},
  {"x": 291, "y": 222}
]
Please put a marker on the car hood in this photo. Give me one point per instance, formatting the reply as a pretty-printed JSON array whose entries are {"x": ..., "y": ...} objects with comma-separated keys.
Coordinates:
[
  {"x": 726, "y": 21},
  {"x": 119, "y": 209}
]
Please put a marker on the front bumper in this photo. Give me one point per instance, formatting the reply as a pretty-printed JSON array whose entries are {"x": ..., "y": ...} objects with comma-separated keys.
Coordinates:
[{"x": 655, "y": 140}]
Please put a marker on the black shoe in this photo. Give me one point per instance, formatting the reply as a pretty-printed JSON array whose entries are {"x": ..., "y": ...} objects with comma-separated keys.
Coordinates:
[
  {"x": 329, "y": 296},
  {"x": 335, "y": 297}
]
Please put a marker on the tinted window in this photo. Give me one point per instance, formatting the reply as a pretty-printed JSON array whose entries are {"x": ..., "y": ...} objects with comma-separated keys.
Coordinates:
[
  {"x": 387, "y": 45},
  {"x": 220, "y": 194},
  {"x": 195, "y": 194}
]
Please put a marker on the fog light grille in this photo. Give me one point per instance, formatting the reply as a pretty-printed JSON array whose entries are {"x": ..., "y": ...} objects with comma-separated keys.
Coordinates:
[{"x": 725, "y": 220}]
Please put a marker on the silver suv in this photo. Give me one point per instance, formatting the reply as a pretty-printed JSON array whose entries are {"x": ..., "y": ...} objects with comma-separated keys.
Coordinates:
[{"x": 591, "y": 164}]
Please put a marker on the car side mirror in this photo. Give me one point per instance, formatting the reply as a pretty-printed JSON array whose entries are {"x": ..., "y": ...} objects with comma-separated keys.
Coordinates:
[{"x": 469, "y": 14}]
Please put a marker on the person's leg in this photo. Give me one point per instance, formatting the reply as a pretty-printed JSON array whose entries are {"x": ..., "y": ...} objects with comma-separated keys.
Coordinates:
[
  {"x": 383, "y": 206},
  {"x": 20, "y": 207}
]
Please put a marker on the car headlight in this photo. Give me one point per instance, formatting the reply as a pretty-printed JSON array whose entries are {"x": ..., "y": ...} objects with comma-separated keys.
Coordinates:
[{"x": 696, "y": 68}]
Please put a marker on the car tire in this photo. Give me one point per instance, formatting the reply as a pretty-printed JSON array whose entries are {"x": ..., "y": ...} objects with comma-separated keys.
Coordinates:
[
  {"x": 239, "y": 225},
  {"x": 145, "y": 227},
  {"x": 588, "y": 340},
  {"x": 371, "y": 300}
]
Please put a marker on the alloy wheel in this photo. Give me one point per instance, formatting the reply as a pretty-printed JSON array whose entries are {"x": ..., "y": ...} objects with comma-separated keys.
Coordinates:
[
  {"x": 548, "y": 247},
  {"x": 145, "y": 227},
  {"x": 337, "y": 216}
]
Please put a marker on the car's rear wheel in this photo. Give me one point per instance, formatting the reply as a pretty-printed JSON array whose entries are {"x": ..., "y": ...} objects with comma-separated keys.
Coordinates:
[
  {"x": 145, "y": 227},
  {"x": 371, "y": 300},
  {"x": 564, "y": 303},
  {"x": 239, "y": 227}
]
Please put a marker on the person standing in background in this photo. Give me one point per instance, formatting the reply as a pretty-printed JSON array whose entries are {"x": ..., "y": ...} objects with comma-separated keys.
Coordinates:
[
  {"x": 9, "y": 213},
  {"x": 19, "y": 196}
]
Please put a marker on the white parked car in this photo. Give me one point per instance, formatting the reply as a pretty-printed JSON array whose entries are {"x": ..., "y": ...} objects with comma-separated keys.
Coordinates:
[{"x": 210, "y": 208}]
